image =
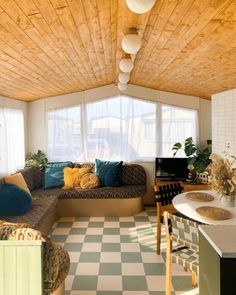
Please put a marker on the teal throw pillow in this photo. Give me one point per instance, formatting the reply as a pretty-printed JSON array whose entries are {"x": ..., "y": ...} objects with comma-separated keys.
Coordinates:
[
  {"x": 53, "y": 174},
  {"x": 14, "y": 201},
  {"x": 108, "y": 172}
]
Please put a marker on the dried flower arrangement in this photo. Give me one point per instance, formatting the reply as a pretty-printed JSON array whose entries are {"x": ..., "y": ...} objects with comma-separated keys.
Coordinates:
[{"x": 223, "y": 174}]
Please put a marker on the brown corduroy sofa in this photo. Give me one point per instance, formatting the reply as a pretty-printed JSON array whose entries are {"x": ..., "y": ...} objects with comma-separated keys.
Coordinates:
[{"x": 50, "y": 204}]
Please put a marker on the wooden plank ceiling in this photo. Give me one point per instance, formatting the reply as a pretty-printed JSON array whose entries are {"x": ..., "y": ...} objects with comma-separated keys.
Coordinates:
[{"x": 54, "y": 47}]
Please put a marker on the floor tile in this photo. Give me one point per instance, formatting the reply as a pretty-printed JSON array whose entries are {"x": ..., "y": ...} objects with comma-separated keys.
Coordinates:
[
  {"x": 65, "y": 224},
  {"x": 85, "y": 283},
  {"x": 111, "y": 224},
  {"x": 181, "y": 283},
  {"x": 91, "y": 247},
  {"x": 154, "y": 269},
  {"x": 89, "y": 257},
  {"x": 93, "y": 239},
  {"x": 111, "y": 247},
  {"x": 111, "y": 231},
  {"x": 131, "y": 257},
  {"x": 75, "y": 239},
  {"x": 69, "y": 282},
  {"x": 94, "y": 231},
  {"x": 128, "y": 239},
  {"x": 152, "y": 257},
  {"x": 130, "y": 247},
  {"x": 111, "y": 239},
  {"x": 156, "y": 283},
  {"x": 95, "y": 224},
  {"x": 74, "y": 256},
  {"x": 73, "y": 267},
  {"x": 78, "y": 231},
  {"x": 110, "y": 257},
  {"x": 133, "y": 269},
  {"x": 111, "y": 218},
  {"x": 110, "y": 269},
  {"x": 59, "y": 238},
  {"x": 80, "y": 224},
  {"x": 87, "y": 268},
  {"x": 73, "y": 247},
  {"x": 61, "y": 231},
  {"x": 134, "y": 283},
  {"x": 127, "y": 224},
  {"x": 109, "y": 283}
]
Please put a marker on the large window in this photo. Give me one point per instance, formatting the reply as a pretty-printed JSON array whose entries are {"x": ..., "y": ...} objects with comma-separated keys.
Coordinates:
[
  {"x": 12, "y": 148},
  {"x": 120, "y": 127}
]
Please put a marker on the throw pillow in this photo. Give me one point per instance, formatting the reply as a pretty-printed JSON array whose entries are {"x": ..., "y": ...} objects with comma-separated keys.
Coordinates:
[
  {"x": 89, "y": 180},
  {"x": 72, "y": 176},
  {"x": 53, "y": 174},
  {"x": 14, "y": 201},
  {"x": 108, "y": 172},
  {"x": 18, "y": 180}
]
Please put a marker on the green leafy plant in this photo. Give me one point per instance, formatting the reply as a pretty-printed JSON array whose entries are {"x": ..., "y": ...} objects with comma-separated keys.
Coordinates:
[
  {"x": 38, "y": 159},
  {"x": 198, "y": 159}
]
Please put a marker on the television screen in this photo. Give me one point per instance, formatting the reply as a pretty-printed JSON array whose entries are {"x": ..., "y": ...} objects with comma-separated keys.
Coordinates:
[{"x": 172, "y": 168}]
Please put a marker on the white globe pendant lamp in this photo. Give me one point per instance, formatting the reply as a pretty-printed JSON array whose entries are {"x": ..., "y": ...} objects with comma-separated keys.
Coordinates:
[
  {"x": 126, "y": 65},
  {"x": 123, "y": 78},
  {"x": 122, "y": 86},
  {"x": 140, "y": 6},
  {"x": 131, "y": 43}
]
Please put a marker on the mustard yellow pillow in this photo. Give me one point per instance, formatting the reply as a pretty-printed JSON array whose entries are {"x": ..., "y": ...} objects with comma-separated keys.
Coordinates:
[
  {"x": 89, "y": 180},
  {"x": 18, "y": 180},
  {"x": 72, "y": 176}
]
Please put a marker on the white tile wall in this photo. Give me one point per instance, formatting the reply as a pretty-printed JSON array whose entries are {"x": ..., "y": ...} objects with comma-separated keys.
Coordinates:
[{"x": 224, "y": 121}]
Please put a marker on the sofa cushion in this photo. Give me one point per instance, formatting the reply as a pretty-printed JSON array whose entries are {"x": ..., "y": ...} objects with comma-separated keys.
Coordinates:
[
  {"x": 53, "y": 174},
  {"x": 122, "y": 192},
  {"x": 18, "y": 180},
  {"x": 108, "y": 172},
  {"x": 33, "y": 177},
  {"x": 133, "y": 174},
  {"x": 43, "y": 202},
  {"x": 13, "y": 200},
  {"x": 73, "y": 176},
  {"x": 89, "y": 180}
]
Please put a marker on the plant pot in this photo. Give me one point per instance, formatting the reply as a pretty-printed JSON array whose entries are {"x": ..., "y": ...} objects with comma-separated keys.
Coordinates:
[{"x": 228, "y": 201}]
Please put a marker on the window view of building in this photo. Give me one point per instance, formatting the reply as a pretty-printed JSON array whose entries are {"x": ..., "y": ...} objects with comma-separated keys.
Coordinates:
[{"x": 116, "y": 128}]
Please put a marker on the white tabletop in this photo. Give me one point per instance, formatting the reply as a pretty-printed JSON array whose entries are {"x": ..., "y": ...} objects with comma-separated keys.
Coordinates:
[{"x": 188, "y": 208}]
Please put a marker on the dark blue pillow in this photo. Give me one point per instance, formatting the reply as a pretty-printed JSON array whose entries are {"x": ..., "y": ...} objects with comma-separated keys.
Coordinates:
[
  {"x": 14, "y": 201},
  {"x": 108, "y": 172},
  {"x": 53, "y": 174}
]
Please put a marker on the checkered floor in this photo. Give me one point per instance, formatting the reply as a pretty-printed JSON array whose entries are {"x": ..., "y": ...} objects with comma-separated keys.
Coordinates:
[{"x": 116, "y": 256}]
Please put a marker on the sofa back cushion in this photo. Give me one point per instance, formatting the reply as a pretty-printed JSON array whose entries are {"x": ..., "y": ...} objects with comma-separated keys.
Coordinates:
[
  {"x": 13, "y": 200},
  {"x": 33, "y": 177},
  {"x": 133, "y": 174}
]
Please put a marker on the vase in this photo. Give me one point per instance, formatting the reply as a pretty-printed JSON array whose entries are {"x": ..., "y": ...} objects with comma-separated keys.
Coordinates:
[{"x": 227, "y": 201}]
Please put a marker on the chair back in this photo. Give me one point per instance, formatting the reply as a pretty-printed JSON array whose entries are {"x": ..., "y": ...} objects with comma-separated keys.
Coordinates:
[
  {"x": 166, "y": 193},
  {"x": 183, "y": 231}
]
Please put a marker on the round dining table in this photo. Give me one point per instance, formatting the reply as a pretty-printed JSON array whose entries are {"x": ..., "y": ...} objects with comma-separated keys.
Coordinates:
[{"x": 188, "y": 208}]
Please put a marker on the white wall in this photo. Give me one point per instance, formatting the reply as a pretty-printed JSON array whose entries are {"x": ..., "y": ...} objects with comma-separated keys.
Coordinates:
[
  {"x": 17, "y": 104},
  {"x": 37, "y": 111},
  {"x": 224, "y": 121}
]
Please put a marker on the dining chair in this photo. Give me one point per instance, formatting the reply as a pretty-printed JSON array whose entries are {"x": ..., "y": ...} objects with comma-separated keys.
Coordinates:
[
  {"x": 164, "y": 195},
  {"x": 184, "y": 234}
]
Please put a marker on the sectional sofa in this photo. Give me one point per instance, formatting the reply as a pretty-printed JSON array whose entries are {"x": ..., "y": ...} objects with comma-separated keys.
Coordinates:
[{"x": 50, "y": 204}]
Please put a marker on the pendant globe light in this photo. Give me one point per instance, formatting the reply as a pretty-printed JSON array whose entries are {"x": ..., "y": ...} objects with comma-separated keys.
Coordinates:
[
  {"x": 140, "y": 6},
  {"x": 126, "y": 65},
  {"x": 131, "y": 43},
  {"x": 122, "y": 86},
  {"x": 123, "y": 78}
]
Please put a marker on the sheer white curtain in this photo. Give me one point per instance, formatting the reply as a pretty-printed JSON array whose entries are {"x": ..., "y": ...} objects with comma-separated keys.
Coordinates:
[
  {"x": 177, "y": 125},
  {"x": 117, "y": 128},
  {"x": 12, "y": 147},
  {"x": 64, "y": 134},
  {"x": 121, "y": 128}
]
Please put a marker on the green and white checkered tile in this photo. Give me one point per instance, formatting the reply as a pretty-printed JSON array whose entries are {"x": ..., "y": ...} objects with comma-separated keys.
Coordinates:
[{"x": 117, "y": 256}]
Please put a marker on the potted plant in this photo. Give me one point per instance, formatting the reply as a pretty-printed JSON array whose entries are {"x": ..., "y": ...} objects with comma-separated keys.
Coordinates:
[
  {"x": 38, "y": 159},
  {"x": 198, "y": 159}
]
